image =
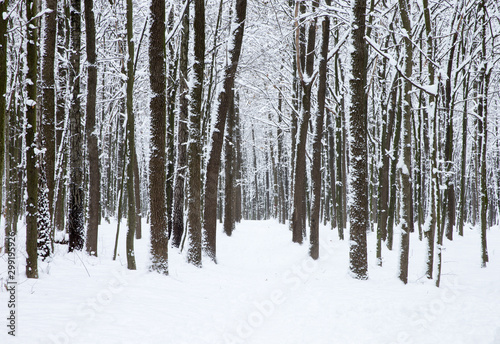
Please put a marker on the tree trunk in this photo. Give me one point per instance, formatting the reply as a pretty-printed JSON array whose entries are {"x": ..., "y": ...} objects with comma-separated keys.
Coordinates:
[
  {"x": 158, "y": 208},
  {"x": 448, "y": 151},
  {"x": 195, "y": 138},
  {"x": 76, "y": 221},
  {"x": 63, "y": 32},
  {"x": 229, "y": 222},
  {"x": 318, "y": 134},
  {"x": 182, "y": 136},
  {"x": 48, "y": 98},
  {"x": 131, "y": 181},
  {"x": 238, "y": 161},
  {"x": 406, "y": 172},
  {"x": 31, "y": 144},
  {"x": 137, "y": 192},
  {"x": 91, "y": 129},
  {"x": 171, "y": 95},
  {"x": 304, "y": 65},
  {"x": 358, "y": 113}
]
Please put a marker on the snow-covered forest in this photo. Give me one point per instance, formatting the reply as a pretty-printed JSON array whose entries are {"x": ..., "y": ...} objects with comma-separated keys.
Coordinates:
[{"x": 250, "y": 171}]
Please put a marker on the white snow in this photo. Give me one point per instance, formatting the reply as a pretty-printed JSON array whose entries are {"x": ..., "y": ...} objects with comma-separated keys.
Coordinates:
[{"x": 264, "y": 289}]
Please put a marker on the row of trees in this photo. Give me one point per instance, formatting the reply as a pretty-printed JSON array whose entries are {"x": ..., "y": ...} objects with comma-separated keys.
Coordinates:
[{"x": 377, "y": 114}]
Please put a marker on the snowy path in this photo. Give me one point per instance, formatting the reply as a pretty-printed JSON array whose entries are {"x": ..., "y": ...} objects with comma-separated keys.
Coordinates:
[{"x": 264, "y": 289}]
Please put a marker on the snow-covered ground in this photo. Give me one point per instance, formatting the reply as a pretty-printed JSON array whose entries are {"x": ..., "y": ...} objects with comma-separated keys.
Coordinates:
[{"x": 264, "y": 289}]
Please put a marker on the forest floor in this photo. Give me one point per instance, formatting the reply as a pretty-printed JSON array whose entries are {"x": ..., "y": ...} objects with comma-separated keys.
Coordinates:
[{"x": 264, "y": 289}]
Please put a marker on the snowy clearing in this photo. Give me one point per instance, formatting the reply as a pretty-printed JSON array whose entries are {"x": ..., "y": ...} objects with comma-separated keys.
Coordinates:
[{"x": 264, "y": 289}]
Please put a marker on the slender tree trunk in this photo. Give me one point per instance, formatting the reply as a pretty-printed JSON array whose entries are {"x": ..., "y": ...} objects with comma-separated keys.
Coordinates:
[
  {"x": 484, "y": 182},
  {"x": 434, "y": 221},
  {"x": 132, "y": 220},
  {"x": 393, "y": 177},
  {"x": 76, "y": 221},
  {"x": 384, "y": 186},
  {"x": 31, "y": 145},
  {"x": 182, "y": 136},
  {"x": 339, "y": 142},
  {"x": 158, "y": 207},
  {"x": 63, "y": 33},
  {"x": 238, "y": 161},
  {"x": 448, "y": 151},
  {"x": 305, "y": 65},
  {"x": 406, "y": 172},
  {"x": 318, "y": 134},
  {"x": 358, "y": 113},
  {"x": 463, "y": 165},
  {"x": 91, "y": 129},
  {"x": 331, "y": 163},
  {"x": 171, "y": 95},
  {"x": 229, "y": 222},
  {"x": 137, "y": 192},
  {"x": 48, "y": 97},
  {"x": 482, "y": 114},
  {"x": 195, "y": 138},
  {"x": 256, "y": 204}
]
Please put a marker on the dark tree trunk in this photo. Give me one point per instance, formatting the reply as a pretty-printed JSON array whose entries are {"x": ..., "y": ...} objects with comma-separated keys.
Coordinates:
[
  {"x": 304, "y": 65},
  {"x": 91, "y": 129},
  {"x": 359, "y": 183},
  {"x": 182, "y": 136},
  {"x": 31, "y": 144},
  {"x": 384, "y": 185},
  {"x": 48, "y": 98},
  {"x": 137, "y": 192},
  {"x": 63, "y": 33},
  {"x": 195, "y": 138},
  {"x": 448, "y": 151},
  {"x": 406, "y": 172},
  {"x": 76, "y": 221},
  {"x": 229, "y": 222},
  {"x": 158, "y": 208},
  {"x": 238, "y": 161},
  {"x": 318, "y": 134},
  {"x": 171, "y": 95},
  {"x": 131, "y": 181}
]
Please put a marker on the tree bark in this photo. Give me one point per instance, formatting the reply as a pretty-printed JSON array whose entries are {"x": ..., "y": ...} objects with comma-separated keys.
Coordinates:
[
  {"x": 158, "y": 208},
  {"x": 304, "y": 65},
  {"x": 131, "y": 181},
  {"x": 358, "y": 113},
  {"x": 31, "y": 144},
  {"x": 229, "y": 222},
  {"x": 195, "y": 138},
  {"x": 48, "y": 98},
  {"x": 318, "y": 134},
  {"x": 406, "y": 172},
  {"x": 91, "y": 129},
  {"x": 182, "y": 136},
  {"x": 76, "y": 221}
]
